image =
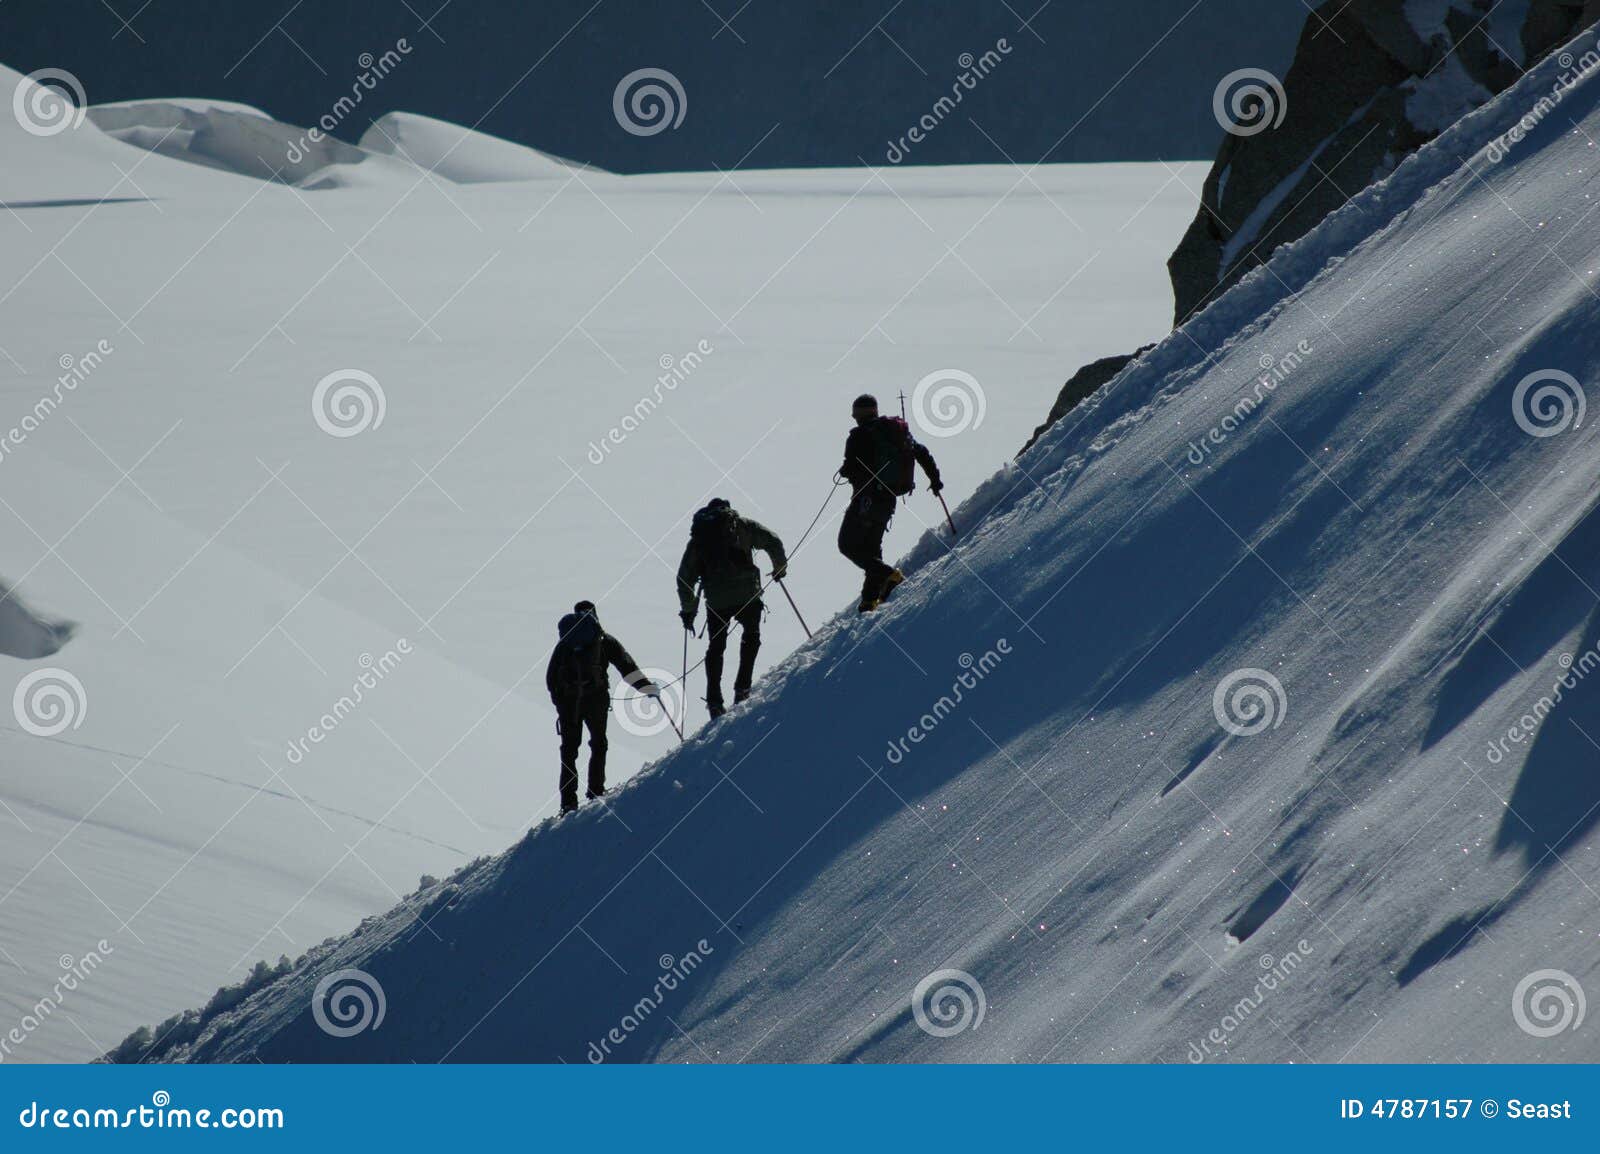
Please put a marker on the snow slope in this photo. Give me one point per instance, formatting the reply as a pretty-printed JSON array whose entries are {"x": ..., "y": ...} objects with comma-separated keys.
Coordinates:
[
  {"x": 1110, "y": 833},
  {"x": 460, "y": 154},
  {"x": 232, "y": 582}
]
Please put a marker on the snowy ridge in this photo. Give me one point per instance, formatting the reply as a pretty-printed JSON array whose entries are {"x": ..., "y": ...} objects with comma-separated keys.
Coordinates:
[
  {"x": 222, "y": 617},
  {"x": 244, "y": 140},
  {"x": 1089, "y": 833},
  {"x": 1444, "y": 163},
  {"x": 460, "y": 154}
]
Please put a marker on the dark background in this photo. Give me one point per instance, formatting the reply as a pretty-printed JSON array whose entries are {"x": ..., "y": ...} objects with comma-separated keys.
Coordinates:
[{"x": 775, "y": 62}]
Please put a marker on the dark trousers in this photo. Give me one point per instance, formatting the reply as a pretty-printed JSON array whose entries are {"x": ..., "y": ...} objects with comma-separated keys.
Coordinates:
[
  {"x": 721, "y": 621},
  {"x": 861, "y": 536},
  {"x": 591, "y": 709}
]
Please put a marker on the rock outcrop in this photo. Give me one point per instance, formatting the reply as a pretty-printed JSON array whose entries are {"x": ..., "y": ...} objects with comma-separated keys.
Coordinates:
[
  {"x": 1084, "y": 382},
  {"x": 1372, "y": 81}
]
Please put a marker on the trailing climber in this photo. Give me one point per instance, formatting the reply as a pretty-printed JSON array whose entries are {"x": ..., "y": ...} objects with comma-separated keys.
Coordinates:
[{"x": 580, "y": 689}]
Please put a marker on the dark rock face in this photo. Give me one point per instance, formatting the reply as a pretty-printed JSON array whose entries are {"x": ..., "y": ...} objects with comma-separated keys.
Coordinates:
[
  {"x": 1372, "y": 81},
  {"x": 1084, "y": 382}
]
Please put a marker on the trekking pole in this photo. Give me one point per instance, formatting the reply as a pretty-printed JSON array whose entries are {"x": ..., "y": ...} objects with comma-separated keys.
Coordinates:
[
  {"x": 667, "y": 713},
  {"x": 684, "y": 681},
  {"x": 793, "y": 606},
  {"x": 948, "y": 519}
]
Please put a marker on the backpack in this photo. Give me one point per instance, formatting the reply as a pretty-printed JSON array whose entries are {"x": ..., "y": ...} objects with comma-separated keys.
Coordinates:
[
  {"x": 896, "y": 463},
  {"x": 714, "y": 531},
  {"x": 577, "y": 634}
]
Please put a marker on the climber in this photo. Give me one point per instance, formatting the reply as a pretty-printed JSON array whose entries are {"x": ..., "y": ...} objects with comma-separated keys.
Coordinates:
[
  {"x": 880, "y": 459},
  {"x": 720, "y": 560},
  {"x": 580, "y": 690}
]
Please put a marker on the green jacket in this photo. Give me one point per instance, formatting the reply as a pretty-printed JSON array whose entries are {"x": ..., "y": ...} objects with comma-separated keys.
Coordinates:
[{"x": 736, "y": 585}]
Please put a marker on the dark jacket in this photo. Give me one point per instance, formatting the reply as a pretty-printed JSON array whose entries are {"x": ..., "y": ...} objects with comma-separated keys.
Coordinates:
[
  {"x": 572, "y": 673},
  {"x": 861, "y": 453},
  {"x": 736, "y": 584}
]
